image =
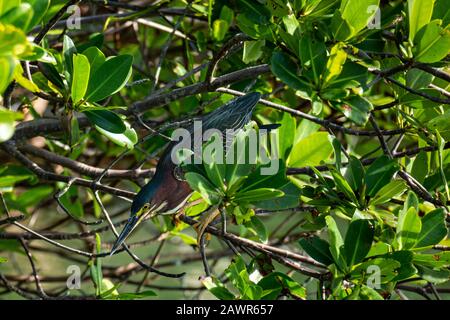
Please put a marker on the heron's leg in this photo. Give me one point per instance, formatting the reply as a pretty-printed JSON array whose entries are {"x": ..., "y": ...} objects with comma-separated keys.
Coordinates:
[
  {"x": 203, "y": 254},
  {"x": 208, "y": 217},
  {"x": 176, "y": 217}
]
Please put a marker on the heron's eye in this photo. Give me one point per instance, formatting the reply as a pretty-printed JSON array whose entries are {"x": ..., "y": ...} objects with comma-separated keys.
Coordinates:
[
  {"x": 178, "y": 173},
  {"x": 144, "y": 209}
]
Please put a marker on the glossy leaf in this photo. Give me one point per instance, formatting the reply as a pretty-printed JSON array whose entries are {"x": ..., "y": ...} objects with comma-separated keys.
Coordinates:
[
  {"x": 106, "y": 120},
  {"x": 379, "y": 174},
  {"x": 311, "y": 150},
  {"x": 19, "y": 16},
  {"x": 408, "y": 229},
  {"x": 109, "y": 78},
  {"x": 220, "y": 28},
  {"x": 258, "y": 194},
  {"x": 317, "y": 249},
  {"x": 127, "y": 138},
  {"x": 96, "y": 58},
  {"x": 358, "y": 241},
  {"x": 432, "y": 42},
  {"x": 336, "y": 243},
  {"x": 354, "y": 173},
  {"x": 252, "y": 50},
  {"x": 389, "y": 191},
  {"x": 202, "y": 186},
  {"x": 433, "y": 228},
  {"x": 40, "y": 7},
  {"x": 419, "y": 14},
  {"x": 80, "y": 78},
  {"x": 7, "y": 120}
]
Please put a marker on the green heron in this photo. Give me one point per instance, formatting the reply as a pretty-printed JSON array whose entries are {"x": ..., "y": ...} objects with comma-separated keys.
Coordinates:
[{"x": 167, "y": 192}]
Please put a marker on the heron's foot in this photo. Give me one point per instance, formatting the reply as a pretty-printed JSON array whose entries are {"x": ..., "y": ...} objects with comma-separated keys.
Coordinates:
[
  {"x": 176, "y": 218},
  {"x": 201, "y": 226}
]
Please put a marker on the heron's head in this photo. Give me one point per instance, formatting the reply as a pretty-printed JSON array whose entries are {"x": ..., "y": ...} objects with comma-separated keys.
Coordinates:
[
  {"x": 144, "y": 206},
  {"x": 164, "y": 194}
]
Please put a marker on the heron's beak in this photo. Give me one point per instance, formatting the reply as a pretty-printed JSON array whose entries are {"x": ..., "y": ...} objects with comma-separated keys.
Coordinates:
[{"x": 131, "y": 224}]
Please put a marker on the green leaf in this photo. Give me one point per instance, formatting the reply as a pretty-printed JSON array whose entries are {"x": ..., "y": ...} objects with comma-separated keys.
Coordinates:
[
  {"x": 6, "y": 5},
  {"x": 286, "y": 135},
  {"x": 133, "y": 296},
  {"x": 126, "y": 139},
  {"x": 357, "y": 109},
  {"x": 343, "y": 186},
  {"x": 435, "y": 260},
  {"x": 217, "y": 289},
  {"x": 311, "y": 150},
  {"x": 95, "y": 40},
  {"x": 69, "y": 50},
  {"x": 23, "y": 81},
  {"x": 290, "y": 199},
  {"x": 358, "y": 13},
  {"x": 19, "y": 16},
  {"x": 276, "y": 282},
  {"x": 352, "y": 17},
  {"x": 408, "y": 229},
  {"x": 106, "y": 120},
  {"x": 313, "y": 57},
  {"x": 109, "y": 78},
  {"x": 33, "y": 196},
  {"x": 389, "y": 191},
  {"x": 433, "y": 228},
  {"x": 96, "y": 58},
  {"x": 202, "y": 186},
  {"x": 317, "y": 249},
  {"x": 358, "y": 241},
  {"x": 352, "y": 75},
  {"x": 50, "y": 72},
  {"x": 368, "y": 293},
  {"x": 278, "y": 8},
  {"x": 7, "y": 121},
  {"x": 418, "y": 79},
  {"x": 258, "y": 227},
  {"x": 12, "y": 41},
  {"x": 252, "y": 50},
  {"x": 419, "y": 168},
  {"x": 335, "y": 63},
  {"x": 254, "y": 11},
  {"x": 258, "y": 194},
  {"x": 433, "y": 275},
  {"x": 432, "y": 42},
  {"x": 80, "y": 78},
  {"x": 386, "y": 269},
  {"x": 215, "y": 172},
  {"x": 379, "y": 174},
  {"x": 354, "y": 173},
  {"x": 40, "y": 7},
  {"x": 405, "y": 258},
  {"x": 3, "y": 260},
  {"x": 227, "y": 14},
  {"x": 238, "y": 275},
  {"x": 220, "y": 28},
  {"x": 7, "y": 65},
  {"x": 336, "y": 242},
  {"x": 284, "y": 68},
  {"x": 419, "y": 14},
  {"x": 411, "y": 201}
]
